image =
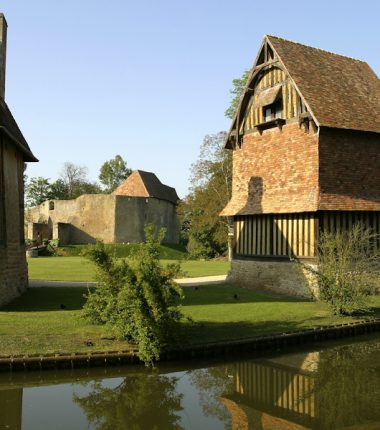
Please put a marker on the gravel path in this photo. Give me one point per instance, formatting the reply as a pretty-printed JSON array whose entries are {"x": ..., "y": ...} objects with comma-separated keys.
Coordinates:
[{"x": 184, "y": 282}]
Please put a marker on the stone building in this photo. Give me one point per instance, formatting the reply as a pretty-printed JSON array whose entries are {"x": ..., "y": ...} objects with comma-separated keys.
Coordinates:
[
  {"x": 119, "y": 217},
  {"x": 14, "y": 152},
  {"x": 306, "y": 158}
]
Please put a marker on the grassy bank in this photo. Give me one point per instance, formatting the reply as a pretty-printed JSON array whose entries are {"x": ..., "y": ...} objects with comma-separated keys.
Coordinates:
[
  {"x": 80, "y": 269},
  {"x": 34, "y": 323}
]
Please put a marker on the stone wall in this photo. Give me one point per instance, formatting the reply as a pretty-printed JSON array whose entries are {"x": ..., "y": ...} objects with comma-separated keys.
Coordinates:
[
  {"x": 13, "y": 267},
  {"x": 113, "y": 219},
  {"x": 133, "y": 213},
  {"x": 274, "y": 276},
  {"x": 91, "y": 217}
]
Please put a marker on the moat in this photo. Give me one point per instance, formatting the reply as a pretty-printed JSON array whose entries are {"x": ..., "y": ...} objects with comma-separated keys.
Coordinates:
[{"x": 332, "y": 385}]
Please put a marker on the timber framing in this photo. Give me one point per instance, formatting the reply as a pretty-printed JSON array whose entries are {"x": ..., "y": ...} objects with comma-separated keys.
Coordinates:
[{"x": 306, "y": 151}]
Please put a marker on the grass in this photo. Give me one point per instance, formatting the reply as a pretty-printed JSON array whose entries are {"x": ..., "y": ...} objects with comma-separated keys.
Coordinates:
[
  {"x": 167, "y": 251},
  {"x": 34, "y": 322},
  {"x": 80, "y": 269}
]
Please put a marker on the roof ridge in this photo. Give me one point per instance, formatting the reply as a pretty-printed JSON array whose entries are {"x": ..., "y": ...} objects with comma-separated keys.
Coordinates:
[{"x": 313, "y": 47}]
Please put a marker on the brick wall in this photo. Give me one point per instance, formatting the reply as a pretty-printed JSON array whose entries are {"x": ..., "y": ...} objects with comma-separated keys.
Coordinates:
[
  {"x": 349, "y": 170},
  {"x": 276, "y": 172}
]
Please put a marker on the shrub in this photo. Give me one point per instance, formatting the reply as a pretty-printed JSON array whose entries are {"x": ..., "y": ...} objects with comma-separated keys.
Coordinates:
[
  {"x": 138, "y": 300},
  {"x": 348, "y": 268}
]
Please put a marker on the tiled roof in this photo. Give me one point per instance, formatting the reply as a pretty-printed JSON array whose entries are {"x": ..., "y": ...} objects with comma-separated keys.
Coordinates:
[
  {"x": 341, "y": 92},
  {"x": 146, "y": 184},
  {"x": 9, "y": 125}
]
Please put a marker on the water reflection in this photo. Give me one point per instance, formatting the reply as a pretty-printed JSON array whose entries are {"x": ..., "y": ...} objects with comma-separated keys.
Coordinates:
[
  {"x": 332, "y": 387},
  {"x": 133, "y": 403}
]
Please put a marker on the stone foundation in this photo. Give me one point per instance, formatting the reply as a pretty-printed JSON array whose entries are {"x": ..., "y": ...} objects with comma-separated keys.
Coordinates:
[{"x": 274, "y": 276}]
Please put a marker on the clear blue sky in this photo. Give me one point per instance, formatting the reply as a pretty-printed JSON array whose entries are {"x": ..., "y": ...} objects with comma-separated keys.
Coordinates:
[{"x": 89, "y": 79}]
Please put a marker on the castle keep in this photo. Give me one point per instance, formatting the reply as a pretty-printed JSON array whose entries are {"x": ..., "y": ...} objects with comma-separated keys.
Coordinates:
[
  {"x": 306, "y": 158},
  {"x": 14, "y": 152}
]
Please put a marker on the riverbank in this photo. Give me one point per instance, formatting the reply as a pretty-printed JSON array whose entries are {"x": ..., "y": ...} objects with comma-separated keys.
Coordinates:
[
  {"x": 256, "y": 345},
  {"x": 46, "y": 322}
]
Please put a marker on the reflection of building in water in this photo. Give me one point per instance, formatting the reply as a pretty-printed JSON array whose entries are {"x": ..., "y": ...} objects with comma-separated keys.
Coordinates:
[
  {"x": 11, "y": 408},
  {"x": 274, "y": 394}
]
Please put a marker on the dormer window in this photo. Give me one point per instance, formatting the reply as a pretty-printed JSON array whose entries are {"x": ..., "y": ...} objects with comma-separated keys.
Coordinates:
[
  {"x": 273, "y": 111},
  {"x": 270, "y": 101}
]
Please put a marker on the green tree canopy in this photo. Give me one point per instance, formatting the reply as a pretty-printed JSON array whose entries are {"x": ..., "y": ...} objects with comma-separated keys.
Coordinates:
[
  {"x": 210, "y": 191},
  {"x": 113, "y": 173},
  {"x": 137, "y": 298},
  {"x": 139, "y": 402},
  {"x": 205, "y": 233},
  {"x": 238, "y": 86},
  {"x": 37, "y": 190},
  {"x": 72, "y": 183}
]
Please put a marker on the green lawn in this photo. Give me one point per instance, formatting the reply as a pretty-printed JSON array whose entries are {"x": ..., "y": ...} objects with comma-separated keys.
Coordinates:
[
  {"x": 34, "y": 322},
  {"x": 167, "y": 251},
  {"x": 80, "y": 269}
]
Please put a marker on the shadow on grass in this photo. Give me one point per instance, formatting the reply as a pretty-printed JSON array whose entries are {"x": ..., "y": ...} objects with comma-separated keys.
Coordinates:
[
  {"x": 217, "y": 294},
  {"x": 46, "y": 299},
  {"x": 203, "y": 332}
]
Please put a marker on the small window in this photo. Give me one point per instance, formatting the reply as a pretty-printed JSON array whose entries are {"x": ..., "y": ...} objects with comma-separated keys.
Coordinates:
[
  {"x": 273, "y": 111},
  {"x": 51, "y": 206}
]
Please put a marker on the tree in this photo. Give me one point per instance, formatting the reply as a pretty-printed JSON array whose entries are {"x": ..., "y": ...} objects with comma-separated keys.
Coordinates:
[
  {"x": 210, "y": 191},
  {"x": 58, "y": 190},
  {"x": 138, "y": 300},
  {"x": 37, "y": 190},
  {"x": 73, "y": 176},
  {"x": 238, "y": 86},
  {"x": 348, "y": 268},
  {"x": 113, "y": 173},
  {"x": 125, "y": 406},
  {"x": 74, "y": 179},
  {"x": 204, "y": 231}
]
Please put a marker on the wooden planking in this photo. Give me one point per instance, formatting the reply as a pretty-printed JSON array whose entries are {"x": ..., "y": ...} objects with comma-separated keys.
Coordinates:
[
  {"x": 335, "y": 221},
  {"x": 276, "y": 235},
  {"x": 295, "y": 234}
]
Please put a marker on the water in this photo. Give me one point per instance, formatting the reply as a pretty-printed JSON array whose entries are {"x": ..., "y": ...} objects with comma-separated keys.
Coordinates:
[{"x": 327, "y": 386}]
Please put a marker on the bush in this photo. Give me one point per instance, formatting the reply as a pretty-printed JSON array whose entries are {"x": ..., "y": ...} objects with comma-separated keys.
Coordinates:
[
  {"x": 138, "y": 300},
  {"x": 348, "y": 269}
]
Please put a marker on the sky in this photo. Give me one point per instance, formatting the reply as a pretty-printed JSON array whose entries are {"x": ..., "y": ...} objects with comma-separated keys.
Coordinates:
[{"x": 148, "y": 80}]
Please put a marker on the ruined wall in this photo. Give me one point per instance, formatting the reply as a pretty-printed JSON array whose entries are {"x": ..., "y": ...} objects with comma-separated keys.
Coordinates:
[
  {"x": 113, "y": 219},
  {"x": 90, "y": 216},
  {"x": 133, "y": 213},
  {"x": 13, "y": 267}
]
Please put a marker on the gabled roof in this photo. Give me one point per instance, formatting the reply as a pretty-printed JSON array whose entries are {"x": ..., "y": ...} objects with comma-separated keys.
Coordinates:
[
  {"x": 10, "y": 127},
  {"x": 340, "y": 92},
  {"x": 146, "y": 184}
]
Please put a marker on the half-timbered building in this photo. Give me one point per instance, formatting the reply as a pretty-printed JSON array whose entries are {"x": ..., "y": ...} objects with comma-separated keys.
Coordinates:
[{"x": 306, "y": 157}]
